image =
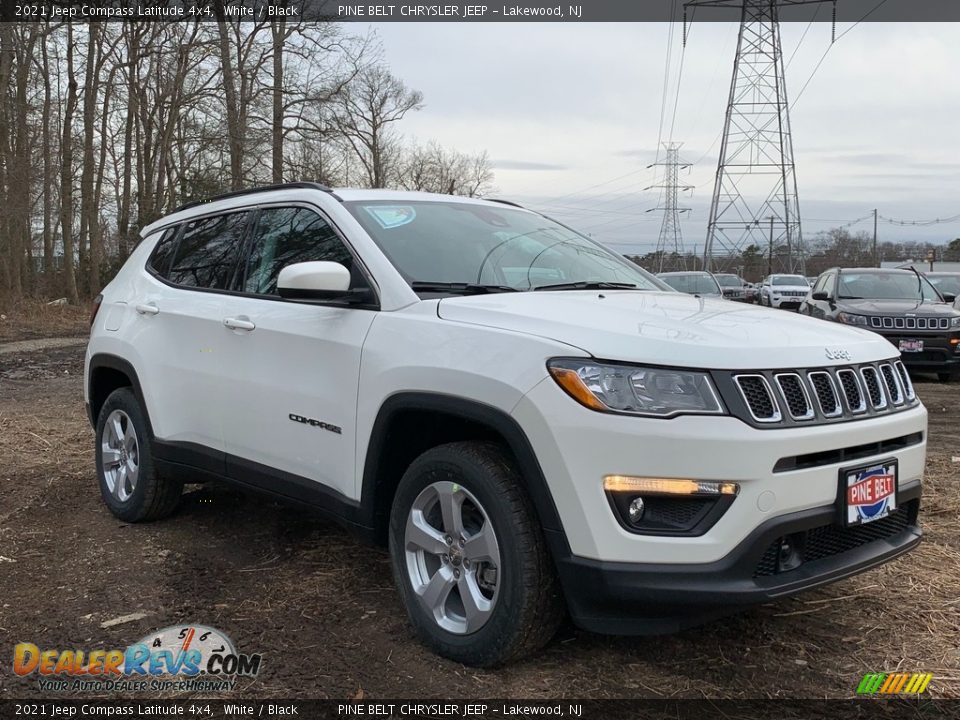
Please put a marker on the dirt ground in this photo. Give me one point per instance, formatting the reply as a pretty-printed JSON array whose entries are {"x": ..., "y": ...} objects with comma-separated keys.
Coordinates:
[{"x": 322, "y": 609}]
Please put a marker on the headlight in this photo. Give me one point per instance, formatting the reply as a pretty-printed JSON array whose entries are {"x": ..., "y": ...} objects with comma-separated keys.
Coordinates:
[
  {"x": 955, "y": 323},
  {"x": 657, "y": 392},
  {"x": 851, "y": 319}
]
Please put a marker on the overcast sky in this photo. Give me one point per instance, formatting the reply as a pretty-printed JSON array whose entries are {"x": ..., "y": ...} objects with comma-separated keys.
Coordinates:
[{"x": 569, "y": 114}]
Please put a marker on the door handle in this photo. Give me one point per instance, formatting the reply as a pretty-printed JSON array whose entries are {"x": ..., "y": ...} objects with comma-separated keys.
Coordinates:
[
  {"x": 147, "y": 309},
  {"x": 239, "y": 324}
]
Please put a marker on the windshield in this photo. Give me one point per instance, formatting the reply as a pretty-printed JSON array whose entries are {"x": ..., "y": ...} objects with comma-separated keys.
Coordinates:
[
  {"x": 729, "y": 281},
  {"x": 693, "y": 283},
  {"x": 501, "y": 247},
  {"x": 794, "y": 280},
  {"x": 946, "y": 283},
  {"x": 885, "y": 286}
]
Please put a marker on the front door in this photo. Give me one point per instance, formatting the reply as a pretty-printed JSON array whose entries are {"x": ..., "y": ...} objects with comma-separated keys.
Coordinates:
[{"x": 295, "y": 366}]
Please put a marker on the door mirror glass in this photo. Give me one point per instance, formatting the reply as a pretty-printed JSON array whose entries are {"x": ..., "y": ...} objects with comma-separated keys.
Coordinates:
[
  {"x": 316, "y": 280},
  {"x": 820, "y": 295}
]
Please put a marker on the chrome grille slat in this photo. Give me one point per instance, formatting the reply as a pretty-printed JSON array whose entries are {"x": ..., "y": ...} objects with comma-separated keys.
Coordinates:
[
  {"x": 795, "y": 396},
  {"x": 875, "y": 391},
  {"x": 759, "y": 398},
  {"x": 905, "y": 380},
  {"x": 851, "y": 391},
  {"x": 826, "y": 392},
  {"x": 894, "y": 391}
]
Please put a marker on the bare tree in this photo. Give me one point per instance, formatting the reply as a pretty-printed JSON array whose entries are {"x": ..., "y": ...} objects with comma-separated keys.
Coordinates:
[
  {"x": 365, "y": 114},
  {"x": 433, "y": 168}
]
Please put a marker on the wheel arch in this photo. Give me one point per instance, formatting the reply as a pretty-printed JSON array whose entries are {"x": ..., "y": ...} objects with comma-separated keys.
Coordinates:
[
  {"x": 108, "y": 373},
  {"x": 410, "y": 423}
]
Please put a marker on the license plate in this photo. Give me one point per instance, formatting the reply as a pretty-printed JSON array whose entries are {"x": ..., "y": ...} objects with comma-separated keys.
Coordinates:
[
  {"x": 868, "y": 493},
  {"x": 911, "y": 346}
]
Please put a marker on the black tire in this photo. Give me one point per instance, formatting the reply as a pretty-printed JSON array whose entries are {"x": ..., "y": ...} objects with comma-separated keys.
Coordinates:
[
  {"x": 529, "y": 605},
  {"x": 153, "y": 497}
]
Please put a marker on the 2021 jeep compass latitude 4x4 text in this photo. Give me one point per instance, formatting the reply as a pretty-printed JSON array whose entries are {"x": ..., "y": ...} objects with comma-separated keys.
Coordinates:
[{"x": 532, "y": 424}]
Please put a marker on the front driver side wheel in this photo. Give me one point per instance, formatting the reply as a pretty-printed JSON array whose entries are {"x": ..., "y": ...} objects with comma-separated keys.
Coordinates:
[{"x": 469, "y": 558}]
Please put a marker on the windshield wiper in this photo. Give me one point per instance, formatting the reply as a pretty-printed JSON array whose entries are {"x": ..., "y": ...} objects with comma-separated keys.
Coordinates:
[
  {"x": 460, "y": 288},
  {"x": 589, "y": 285},
  {"x": 849, "y": 297}
]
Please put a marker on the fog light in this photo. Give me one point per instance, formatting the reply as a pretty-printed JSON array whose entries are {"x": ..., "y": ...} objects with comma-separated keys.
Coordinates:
[
  {"x": 635, "y": 511},
  {"x": 668, "y": 486}
]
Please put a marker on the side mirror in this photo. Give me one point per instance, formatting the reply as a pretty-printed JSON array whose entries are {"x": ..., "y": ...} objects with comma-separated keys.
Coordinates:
[
  {"x": 820, "y": 295},
  {"x": 317, "y": 280},
  {"x": 948, "y": 297}
]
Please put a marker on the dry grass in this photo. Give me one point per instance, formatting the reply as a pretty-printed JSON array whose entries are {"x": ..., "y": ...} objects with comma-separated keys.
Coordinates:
[{"x": 29, "y": 319}]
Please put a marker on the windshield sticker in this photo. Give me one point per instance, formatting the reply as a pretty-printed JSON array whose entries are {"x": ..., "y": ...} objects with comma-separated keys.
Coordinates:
[{"x": 391, "y": 216}]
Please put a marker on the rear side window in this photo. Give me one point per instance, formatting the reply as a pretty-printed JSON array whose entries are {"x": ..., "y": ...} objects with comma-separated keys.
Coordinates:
[
  {"x": 284, "y": 236},
  {"x": 207, "y": 251},
  {"x": 162, "y": 254}
]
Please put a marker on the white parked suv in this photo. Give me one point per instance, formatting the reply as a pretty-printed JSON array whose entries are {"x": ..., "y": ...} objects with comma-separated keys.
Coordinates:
[
  {"x": 784, "y": 291},
  {"x": 532, "y": 424}
]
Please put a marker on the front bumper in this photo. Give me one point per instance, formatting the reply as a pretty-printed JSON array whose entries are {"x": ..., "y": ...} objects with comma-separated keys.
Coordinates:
[
  {"x": 651, "y": 598},
  {"x": 938, "y": 355}
]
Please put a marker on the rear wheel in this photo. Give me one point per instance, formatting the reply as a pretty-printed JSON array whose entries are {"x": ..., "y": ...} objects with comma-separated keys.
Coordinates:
[
  {"x": 129, "y": 482},
  {"x": 469, "y": 557}
]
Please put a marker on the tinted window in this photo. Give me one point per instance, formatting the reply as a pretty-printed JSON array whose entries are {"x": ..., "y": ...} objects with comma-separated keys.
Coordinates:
[
  {"x": 206, "y": 253},
  {"x": 284, "y": 236},
  {"x": 160, "y": 258},
  {"x": 885, "y": 286},
  {"x": 790, "y": 280},
  {"x": 693, "y": 283}
]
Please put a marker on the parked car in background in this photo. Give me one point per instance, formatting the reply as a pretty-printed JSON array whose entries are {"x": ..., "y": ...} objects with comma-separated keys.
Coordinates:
[
  {"x": 751, "y": 291},
  {"x": 783, "y": 291},
  {"x": 693, "y": 283},
  {"x": 945, "y": 282},
  {"x": 811, "y": 279},
  {"x": 902, "y": 305},
  {"x": 731, "y": 286}
]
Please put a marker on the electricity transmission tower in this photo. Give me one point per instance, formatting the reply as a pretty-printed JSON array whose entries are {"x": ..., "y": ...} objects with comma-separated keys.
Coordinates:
[
  {"x": 755, "y": 193},
  {"x": 670, "y": 252}
]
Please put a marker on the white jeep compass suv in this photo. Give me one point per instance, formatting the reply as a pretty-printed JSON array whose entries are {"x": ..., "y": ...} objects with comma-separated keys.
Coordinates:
[{"x": 532, "y": 424}]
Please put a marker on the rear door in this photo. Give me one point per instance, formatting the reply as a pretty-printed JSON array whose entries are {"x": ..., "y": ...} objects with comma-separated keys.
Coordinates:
[
  {"x": 178, "y": 334},
  {"x": 290, "y": 423}
]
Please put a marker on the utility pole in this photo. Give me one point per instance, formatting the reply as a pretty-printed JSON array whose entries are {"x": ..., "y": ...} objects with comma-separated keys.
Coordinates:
[
  {"x": 756, "y": 176},
  {"x": 670, "y": 242},
  {"x": 876, "y": 258}
]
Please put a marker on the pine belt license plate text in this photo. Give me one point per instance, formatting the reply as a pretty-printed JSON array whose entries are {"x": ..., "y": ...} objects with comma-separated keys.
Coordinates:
[
  {"x": 911, "y": 346},
  {"x": 868, "y": 493}
]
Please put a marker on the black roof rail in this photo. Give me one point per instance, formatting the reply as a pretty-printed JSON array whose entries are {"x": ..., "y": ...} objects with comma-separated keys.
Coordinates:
[
  {"x": 262, "y": 188},
  {"x": 505, "y": 202}
]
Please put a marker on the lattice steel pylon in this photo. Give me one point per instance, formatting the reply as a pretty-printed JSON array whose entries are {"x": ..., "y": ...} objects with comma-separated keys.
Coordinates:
[
  {"x": 755, "y": 198},
  {"x": 670, "y": 251}
]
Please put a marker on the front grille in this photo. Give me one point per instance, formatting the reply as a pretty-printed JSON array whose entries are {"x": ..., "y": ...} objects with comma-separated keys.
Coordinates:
[
  {"x": 910, "y": 323},
  {"x": 893, "y": 386},
  {"x": 872, "y": 382},
  {"x": 759, "y": 398},
  {"x": 790, "y": 293},
  {"x": 772, "y": 398},
  {"x": 798, "y": 404},
  {"x": 831, "y": 540}
]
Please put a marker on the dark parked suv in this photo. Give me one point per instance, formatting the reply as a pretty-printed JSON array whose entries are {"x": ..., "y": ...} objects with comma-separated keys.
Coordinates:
[{"x": 901, "y": 305}]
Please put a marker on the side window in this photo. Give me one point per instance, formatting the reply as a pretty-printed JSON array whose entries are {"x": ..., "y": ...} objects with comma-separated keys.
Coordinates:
[
  {"x": 821, "y": 284},
  {"x": 284, "y": 236},
  {"x": 207, "y": 251},
  {"x": 162, "y": 254}
]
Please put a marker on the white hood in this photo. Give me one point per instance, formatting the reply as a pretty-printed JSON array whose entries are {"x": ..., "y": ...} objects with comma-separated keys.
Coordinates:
[{"x": 671, "y": 329}]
